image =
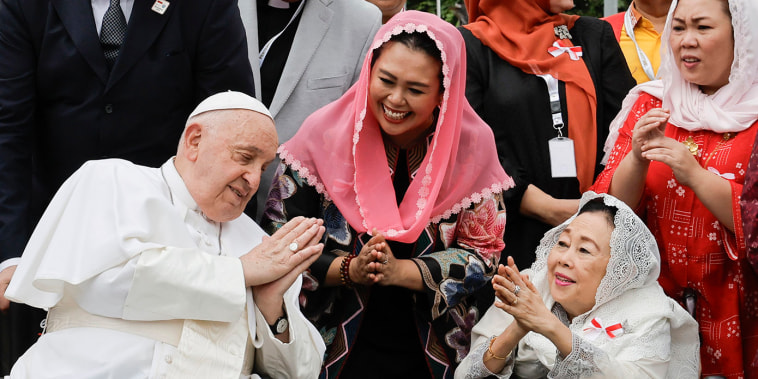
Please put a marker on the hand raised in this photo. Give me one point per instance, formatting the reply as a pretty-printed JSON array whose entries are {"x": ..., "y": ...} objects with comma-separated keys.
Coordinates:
[
  {"x": 269, "y": 296},
  {"x": 675, "y": 155},
  {"x": 650, "y": 127},
  {"x": 520, "y": 298},
  {"x": 295, "y": 242}
]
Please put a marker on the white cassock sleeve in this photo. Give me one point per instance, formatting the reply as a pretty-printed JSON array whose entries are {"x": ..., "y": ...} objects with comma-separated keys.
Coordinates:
[
  {"x": 302, "y": 356},
  {"x": 179, "y": 283},
  {"x": 164, "y": 284}
]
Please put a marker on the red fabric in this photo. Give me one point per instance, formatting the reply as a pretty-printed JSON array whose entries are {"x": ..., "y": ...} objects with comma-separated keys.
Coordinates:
[
  {"x": 617, "y": 23},
  {"x": 695, "y": 247},
  {"x": 521, "y": 32}
]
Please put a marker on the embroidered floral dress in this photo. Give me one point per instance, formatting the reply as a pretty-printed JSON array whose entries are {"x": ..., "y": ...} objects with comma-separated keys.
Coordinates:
[
  {"x": 698, "y": 253},
  {"x": 437, "y": 202},
  {"x": 456, "y": 256}
]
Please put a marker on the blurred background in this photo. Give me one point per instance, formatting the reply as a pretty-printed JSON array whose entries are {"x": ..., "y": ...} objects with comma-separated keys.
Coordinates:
[{"x": 454, "y": 11}]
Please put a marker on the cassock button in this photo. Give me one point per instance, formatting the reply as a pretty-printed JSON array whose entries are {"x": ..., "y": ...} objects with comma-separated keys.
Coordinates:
[
  {"x": 109, "y": 108},
  {"x": 168, "y": 359}
]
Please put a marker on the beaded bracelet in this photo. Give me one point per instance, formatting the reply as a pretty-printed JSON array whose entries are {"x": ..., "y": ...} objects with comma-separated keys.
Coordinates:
[
  {"x": 489, "y": 349},
  {"x": 345, "y": 271}
]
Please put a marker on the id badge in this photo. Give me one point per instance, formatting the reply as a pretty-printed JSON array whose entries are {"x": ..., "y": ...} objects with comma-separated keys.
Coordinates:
[
  {"x": 562, "y": 161},
  {"x": 160, "y": 6}
]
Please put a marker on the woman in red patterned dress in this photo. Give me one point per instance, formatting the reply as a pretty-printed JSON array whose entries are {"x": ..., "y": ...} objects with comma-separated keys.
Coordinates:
[{"x": 680, "y": 150}]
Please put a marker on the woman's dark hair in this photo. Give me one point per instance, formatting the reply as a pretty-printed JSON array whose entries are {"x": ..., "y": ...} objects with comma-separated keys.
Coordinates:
[
  {"x": 416, "y": 41},
  {"x": 597, "y": 205}
]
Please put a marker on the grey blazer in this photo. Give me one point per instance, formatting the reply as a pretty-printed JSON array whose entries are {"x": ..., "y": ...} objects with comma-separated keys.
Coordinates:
[{"x": 331, "y": 42}]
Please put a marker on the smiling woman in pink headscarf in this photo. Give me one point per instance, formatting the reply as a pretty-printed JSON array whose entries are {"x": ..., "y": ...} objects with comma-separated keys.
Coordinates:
[
  {"x": 680, "y": 156},
  {"x": 407, "y": 179}
]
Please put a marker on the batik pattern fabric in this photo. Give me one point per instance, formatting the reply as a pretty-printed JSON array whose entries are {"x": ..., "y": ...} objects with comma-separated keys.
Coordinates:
[
  {"x": 698, "y": 253},
  {"x": 456, "y": 257}
]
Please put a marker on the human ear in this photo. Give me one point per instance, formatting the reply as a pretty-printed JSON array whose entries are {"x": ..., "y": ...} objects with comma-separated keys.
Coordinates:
[{"x": 191, "y": 141}]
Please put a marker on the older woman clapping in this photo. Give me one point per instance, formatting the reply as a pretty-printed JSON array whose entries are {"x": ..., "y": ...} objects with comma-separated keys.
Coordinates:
[{"x": 590, "y": 306}]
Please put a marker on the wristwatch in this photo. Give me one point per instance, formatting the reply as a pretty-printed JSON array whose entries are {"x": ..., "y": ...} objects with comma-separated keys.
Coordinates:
[{"x": 280, "y": 325}]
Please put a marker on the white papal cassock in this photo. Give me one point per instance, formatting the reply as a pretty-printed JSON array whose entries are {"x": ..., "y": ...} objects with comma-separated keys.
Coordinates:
[{"x": 140, "y": 285}]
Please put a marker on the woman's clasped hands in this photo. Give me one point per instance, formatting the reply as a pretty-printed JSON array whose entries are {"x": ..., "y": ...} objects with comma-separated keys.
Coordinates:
[
  {"x": 650, "y": 144},
  {"x": 519, "y": 298},
  {"x": 375, "y": 263}
]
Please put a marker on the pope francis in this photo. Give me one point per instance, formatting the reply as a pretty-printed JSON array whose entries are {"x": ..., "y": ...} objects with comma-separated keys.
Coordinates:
[{"x": 157, "y": 273}]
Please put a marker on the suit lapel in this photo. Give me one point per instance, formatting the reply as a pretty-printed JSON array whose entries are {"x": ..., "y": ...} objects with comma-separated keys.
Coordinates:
[
  {"x": 313, "y": 26},
  {"x": 78, "y": 20},
  {"x": 138, "y": 39}
]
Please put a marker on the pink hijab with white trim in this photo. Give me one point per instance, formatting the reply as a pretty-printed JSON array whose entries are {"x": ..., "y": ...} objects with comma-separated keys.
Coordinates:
[{"x": 340, "y": 151}]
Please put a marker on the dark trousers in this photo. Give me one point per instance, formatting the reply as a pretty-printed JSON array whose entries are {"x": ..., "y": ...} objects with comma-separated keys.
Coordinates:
[{"x": 19, "y": 329}]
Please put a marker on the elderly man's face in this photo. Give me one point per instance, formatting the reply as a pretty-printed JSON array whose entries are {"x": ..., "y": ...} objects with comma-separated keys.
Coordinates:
[{"x": 228, "y": 155}]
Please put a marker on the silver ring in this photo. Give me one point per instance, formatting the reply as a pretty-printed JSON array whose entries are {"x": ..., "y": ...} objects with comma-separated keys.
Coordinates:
[
  {"x": 516, "y": 290},
  {"x": 294, "y": 247},
  {"x": 386, "y": 261}
]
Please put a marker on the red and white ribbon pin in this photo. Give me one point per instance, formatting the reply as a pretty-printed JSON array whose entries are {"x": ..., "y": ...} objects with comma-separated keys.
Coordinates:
[
  {"x": 557, "y": 49},
  {"x": 597, "y": 329}
]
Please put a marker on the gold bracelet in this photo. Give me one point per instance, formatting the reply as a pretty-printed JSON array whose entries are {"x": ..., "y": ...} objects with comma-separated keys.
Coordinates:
[{"x": 489, "y": 349}]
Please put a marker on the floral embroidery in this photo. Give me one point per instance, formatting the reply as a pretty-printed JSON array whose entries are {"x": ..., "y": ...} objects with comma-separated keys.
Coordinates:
[
  {"x": 459, "y": 338},
  {"x": 336, "y": 226},
  {"x": 447, "y": 233},
  {"x": 451, "y": 272},
  {"x": 480, "y": 230},
  {"x": 455, "y": 290},
  {"x": 281, "y": 190}
]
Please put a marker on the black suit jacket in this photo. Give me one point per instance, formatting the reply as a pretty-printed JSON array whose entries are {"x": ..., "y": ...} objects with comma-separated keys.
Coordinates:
[{"x": 60, "y": 106}]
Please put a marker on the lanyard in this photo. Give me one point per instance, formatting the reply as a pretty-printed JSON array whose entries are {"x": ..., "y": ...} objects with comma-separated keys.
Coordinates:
[
  {"x": 555, "y": 102},
  {"x": 267, "y": 46},
  {"x": 646, "y": 65}
]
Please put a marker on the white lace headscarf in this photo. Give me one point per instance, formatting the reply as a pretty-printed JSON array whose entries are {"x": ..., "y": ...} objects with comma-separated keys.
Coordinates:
[
  {"x": 629, "y": 294},
  {"x": 732, "y": 108},
  {"x": 634, "y": 261}
]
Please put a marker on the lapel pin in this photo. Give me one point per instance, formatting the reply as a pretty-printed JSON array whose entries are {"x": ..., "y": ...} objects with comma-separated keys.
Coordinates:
[{"x": 160, "y": 6}]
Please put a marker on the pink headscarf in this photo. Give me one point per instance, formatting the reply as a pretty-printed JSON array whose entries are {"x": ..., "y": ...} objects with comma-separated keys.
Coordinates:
[{"x": 340, "y": 151}]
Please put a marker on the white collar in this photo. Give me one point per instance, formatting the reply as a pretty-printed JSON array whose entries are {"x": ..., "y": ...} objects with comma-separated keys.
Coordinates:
[{"x": 176, "y": 186}]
